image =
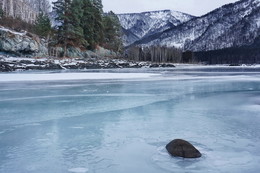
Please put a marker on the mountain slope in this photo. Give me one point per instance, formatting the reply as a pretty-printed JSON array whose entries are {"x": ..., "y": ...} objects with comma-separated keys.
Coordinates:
[
  {"x": 139, "y": 25},
  {"x": 232, "y": 25}
]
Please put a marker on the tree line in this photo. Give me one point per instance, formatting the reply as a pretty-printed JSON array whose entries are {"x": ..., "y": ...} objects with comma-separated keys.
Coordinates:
[
  {"x": 235, "y": 56},
  {"x": 242, "y": 55},
  {"x": 154, "y": 54}
]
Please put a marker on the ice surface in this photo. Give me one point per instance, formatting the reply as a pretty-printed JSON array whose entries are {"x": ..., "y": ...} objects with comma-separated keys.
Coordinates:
[{"x": 122, "y": 126}]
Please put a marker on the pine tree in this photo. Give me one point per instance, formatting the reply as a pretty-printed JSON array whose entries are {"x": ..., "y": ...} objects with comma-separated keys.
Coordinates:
[
  {"x": 98, "y": 4},
  {"x": 1, "y": 13},
  {"x": 69, "y": 30},
  {"x": 76, "y": 30},
  {"x": 112, "y": 32},
  {"x": 81, "y": 23},
  {"x": 92, "y": 23},
  {"x": 87, "y": 23},
  {"x": 98, "y": 31},
  {"x": 61, "y": 8},
  {"x": 43, "y": 25}
]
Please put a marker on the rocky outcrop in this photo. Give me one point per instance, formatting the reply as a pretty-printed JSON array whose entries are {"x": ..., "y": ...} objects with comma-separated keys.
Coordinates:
[
  {"x": 4, "y": 67},
  {"x": 22, "y": 43},
  {"x": 182, "y": 148},
  {"x": 74, "y": 52}
]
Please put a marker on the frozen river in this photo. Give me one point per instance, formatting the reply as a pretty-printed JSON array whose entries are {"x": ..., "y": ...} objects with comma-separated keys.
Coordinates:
[{"x": 119, "y": 121}]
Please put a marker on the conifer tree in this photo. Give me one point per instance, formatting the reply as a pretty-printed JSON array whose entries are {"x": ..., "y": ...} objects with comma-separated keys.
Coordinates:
[
  {"x": 43, "y": 25},
  {"x": 69, "y": 30},
  {"x": 82, "y": 23},
  {"x": 98, "y": 31},
  {"x": 87, "y": 23},
  {"x": 98, "y": 4},
  {"x": 112, "y": 32},
  {"x": 92, "y": 23},
  {"x": 76, "y": 30},
  {"x": 1, "y": 12},
  {"x": 62, "y": 7}
]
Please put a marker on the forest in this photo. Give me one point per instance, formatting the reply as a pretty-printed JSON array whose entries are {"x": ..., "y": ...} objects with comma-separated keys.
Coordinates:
[
  {"x": 65, "y": 23},
  {"x": 235, "y": 56}
]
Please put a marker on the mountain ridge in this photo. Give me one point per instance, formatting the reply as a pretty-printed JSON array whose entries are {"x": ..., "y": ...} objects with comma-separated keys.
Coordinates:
[
  {"x": 139, "y": 25},
  {"x": 232, "y": 25},
  {"x": 166, "y": 10}
]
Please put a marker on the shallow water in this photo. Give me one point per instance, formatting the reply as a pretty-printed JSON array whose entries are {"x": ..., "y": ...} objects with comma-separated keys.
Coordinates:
[{"x": 122, "y": 126}]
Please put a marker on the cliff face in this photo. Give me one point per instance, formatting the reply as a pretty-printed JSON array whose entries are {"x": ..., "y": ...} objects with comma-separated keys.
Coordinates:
[{"x": 21, "y": 43}]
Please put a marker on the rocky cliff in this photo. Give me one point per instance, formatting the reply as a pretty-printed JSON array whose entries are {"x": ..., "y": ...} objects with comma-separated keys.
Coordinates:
[{"x": 22, "y": 43}]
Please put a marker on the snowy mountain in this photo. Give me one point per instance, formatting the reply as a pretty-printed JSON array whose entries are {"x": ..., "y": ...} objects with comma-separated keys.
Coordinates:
[
  {"x": 140, "y": 25},
  {"x": 231, "y": 25}
]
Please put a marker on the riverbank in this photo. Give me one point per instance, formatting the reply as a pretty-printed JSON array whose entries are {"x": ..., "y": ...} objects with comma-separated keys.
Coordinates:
[{"x": 9, "y": 64}]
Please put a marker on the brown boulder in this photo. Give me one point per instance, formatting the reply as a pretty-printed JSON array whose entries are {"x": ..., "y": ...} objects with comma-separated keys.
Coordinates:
[{"x": 182, "y": 148}]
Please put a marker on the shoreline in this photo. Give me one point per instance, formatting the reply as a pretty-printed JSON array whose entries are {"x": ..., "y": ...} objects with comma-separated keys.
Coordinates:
[
  {"x": 19, "y": 64},
  {"x": 11, "y": 64}
]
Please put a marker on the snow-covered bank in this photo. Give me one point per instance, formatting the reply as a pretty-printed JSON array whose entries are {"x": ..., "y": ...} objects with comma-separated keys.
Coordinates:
[
  {"x": 8, "y": 64},
  {"x": 14, "y": 77}
]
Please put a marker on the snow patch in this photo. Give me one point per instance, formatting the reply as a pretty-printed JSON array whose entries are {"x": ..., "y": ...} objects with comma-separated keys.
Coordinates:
[
  {"x": 181, "y": 16},
  {"x": 11, "y": 59},
  {"x": 258, "y": 23},
  {"x": 77, "y": 127},
  {"x": 78, "y": 170},
  {"x": 13, "y": 32},
  {"x": 14, "y": 77}
]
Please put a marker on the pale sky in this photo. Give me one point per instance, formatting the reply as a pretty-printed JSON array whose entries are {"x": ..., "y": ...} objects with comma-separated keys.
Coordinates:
[{"x": 193, "y": 7}]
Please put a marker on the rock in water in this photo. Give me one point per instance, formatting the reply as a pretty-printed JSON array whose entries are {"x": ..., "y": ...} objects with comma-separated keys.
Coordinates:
[{"x": 182, "y": 148}]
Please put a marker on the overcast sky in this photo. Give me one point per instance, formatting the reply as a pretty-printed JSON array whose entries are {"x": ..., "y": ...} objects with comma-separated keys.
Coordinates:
[{"x": 194, "y": 7}]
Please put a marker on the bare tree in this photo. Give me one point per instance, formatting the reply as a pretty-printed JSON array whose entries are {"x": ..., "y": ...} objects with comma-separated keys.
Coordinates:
[
  {"x": 43, "y": 6},
  {"x": 26, "y": 10},
  {"x": 154, "y": 54}
]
